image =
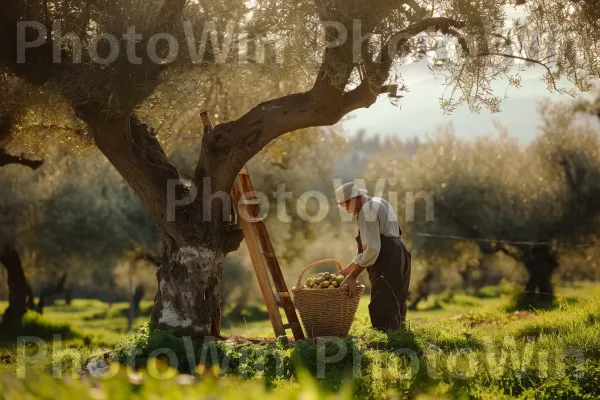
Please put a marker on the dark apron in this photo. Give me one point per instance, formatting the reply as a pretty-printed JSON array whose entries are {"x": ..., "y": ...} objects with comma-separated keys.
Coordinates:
[{"x": 390, "y": 279}]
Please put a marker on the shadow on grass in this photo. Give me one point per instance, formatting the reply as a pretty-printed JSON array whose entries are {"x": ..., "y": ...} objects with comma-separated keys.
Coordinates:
[
  {"x": 252, "y": 313},
  {"x": 120, "y": 311},
  {"x": 434, "y": 307},
  {"x": 333, "y": 361},
  {"x": 231, "y": 315},
  {"x": 528, "y": 301},
  {"x": 488, "y": 292},
  {"x": 420, "y": 340},
  {"x": 461, "y": 302},
  {"x": 35, "y": 326}
]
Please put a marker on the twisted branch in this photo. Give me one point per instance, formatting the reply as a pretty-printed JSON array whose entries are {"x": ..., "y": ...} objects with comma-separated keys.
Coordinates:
[
  {"x": 7, "y": 159},
  {"x": 232, "y": 144}
]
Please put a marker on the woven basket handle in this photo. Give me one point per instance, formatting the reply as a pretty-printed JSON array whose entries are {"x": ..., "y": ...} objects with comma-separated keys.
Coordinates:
[{"x": 327, "y": 260}]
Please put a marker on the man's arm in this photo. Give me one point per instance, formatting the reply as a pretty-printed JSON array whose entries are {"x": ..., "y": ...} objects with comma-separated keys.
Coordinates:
[
  {"x": 356, "y": 271},
  {"x": 368, "y": 226},
  {"x": 348, "y": 269}
]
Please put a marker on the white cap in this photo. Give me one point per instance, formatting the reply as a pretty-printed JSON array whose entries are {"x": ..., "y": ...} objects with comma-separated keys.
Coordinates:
[{"x": 348, "y": 191}]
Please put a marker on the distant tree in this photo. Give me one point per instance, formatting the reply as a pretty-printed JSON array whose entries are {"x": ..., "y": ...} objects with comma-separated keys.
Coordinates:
[
  {"x": 22, "y": 102},
  {"x": 72, "y": 217},
  {"x": 50, "y": 291},
  {"x": 20, "y": 297},
  {"x": 118, "y": 102},
  {"x": 532, "y": 203},
  {"x": 423, "y": 290}
]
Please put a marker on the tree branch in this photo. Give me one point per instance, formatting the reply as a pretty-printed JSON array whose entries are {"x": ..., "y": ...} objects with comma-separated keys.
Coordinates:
[
  {"x": 232, "y": 144},
  {"x": 415, "y": 6},
  {"x": 85, "y": 21},
  {"x": 527, "y": 59},
  {"x": 171, "y": 10},
  {"x": 461, "y": 40},
  {"x": 512, "y": 253},
  {"x": 148, "y": 257},
  {"x": 7, "y": 159}
]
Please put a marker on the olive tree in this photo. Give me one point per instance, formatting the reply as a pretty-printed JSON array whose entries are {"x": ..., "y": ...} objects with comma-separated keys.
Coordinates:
[
  {"x": 533, "y": 203},
  {"x": 118, "y": 87},
  {"x": 13, "y": 105},
  {"x": 24, "y": 120},
  {"x": 74, "y": 216}
]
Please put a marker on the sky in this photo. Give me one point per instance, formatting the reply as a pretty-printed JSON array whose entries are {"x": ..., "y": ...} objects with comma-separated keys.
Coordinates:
[{"x": 419, "y": 113}]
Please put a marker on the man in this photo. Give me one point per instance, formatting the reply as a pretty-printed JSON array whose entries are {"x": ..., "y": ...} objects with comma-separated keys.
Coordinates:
[{"x": 382, "y": 253}]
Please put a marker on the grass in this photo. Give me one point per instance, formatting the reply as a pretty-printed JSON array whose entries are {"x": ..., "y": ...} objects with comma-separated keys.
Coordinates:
[
  {"x": 468, "y": 347},
  {"x": 106, "y": 326}
]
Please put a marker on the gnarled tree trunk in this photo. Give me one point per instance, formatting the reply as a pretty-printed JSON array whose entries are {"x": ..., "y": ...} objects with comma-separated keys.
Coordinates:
[
  {"x": 187, "y": 301},
  {"x": 540, "y": 280},
  {"x": 540, "y": 263},
  {"x": 49, "y": 292},
  {"x": 188, "y": 297},
  {"x": 19, "y": 297}
]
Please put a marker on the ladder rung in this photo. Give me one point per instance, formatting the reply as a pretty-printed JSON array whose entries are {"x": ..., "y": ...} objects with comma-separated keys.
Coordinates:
[
  {"x": 244, "y": 171},
  {"x": 246, "y": 202},
  {"x": 291, "y": 325}
]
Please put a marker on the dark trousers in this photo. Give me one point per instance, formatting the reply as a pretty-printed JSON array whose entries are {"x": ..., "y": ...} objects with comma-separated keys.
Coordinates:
[{"x": 390, "y": 278}]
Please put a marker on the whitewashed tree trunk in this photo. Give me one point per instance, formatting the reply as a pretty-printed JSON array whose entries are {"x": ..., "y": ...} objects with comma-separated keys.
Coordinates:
[{"x": 188, "y": 297}]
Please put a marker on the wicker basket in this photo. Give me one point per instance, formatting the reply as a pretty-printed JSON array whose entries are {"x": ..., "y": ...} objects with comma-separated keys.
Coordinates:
[{"x": 327, "y": 312}]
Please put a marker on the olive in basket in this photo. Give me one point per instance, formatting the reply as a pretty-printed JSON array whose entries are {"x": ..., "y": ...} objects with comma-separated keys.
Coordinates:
[{"x": 324, "y": 280}]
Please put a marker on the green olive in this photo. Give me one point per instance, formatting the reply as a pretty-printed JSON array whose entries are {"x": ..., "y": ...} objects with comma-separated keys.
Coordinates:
[
  {"x": 325, "y": 284},
  {"x": 335, "y": 284}
]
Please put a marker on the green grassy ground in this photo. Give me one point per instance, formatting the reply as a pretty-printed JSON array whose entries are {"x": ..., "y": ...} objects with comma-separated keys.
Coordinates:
[
  {"x": 464, "y": 346},
  {"x": 105, "y": 325},
  {"x": 94, "y": 319}
]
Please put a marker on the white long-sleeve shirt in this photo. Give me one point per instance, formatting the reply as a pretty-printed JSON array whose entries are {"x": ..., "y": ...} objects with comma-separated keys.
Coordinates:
[{"x": 376, "y": 217}]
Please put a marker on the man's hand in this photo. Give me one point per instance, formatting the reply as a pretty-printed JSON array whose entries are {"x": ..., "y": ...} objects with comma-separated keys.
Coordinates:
[{"x": 349, "y": 285}]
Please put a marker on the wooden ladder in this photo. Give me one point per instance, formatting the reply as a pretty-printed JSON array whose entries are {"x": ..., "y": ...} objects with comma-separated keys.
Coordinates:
[{"x": 266, "y": 266}]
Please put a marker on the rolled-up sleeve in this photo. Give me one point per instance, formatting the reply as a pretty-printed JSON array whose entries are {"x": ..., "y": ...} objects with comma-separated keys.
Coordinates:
[{"x": 369, "y": 236}]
